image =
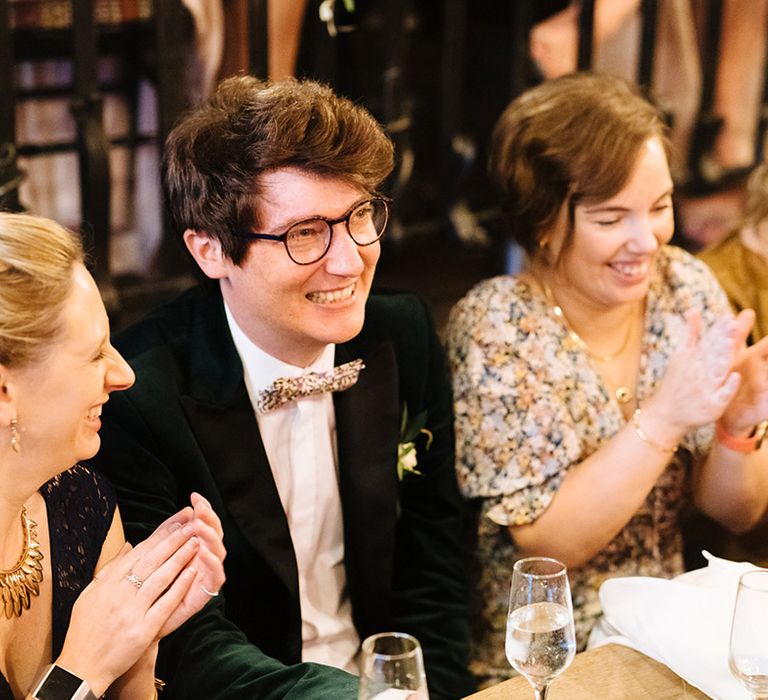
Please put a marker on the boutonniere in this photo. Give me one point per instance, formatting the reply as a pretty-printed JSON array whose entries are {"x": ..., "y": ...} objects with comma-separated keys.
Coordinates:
[{"x": 407, "y": 459}]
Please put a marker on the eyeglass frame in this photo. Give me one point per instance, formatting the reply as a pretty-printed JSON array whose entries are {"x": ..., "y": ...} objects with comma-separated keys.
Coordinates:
[{"x": 283, "y": 237}]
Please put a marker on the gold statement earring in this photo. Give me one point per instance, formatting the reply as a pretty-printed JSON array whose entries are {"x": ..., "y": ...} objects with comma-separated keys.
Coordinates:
[{"x": 15, "y": 439}]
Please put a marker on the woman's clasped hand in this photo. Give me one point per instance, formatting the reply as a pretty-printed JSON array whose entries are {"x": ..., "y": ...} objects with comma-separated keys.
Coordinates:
[{"x": 144, "y": 593}]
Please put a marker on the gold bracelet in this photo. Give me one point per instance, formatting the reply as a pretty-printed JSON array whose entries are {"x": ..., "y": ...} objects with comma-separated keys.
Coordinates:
[{"x": 641, "y": 434}]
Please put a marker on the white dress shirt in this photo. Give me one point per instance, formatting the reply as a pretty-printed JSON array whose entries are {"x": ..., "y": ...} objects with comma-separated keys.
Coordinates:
[{"x": 300, "y": 442}]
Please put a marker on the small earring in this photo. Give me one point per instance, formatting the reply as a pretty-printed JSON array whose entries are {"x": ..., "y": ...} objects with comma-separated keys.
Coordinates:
[{"x": 15, "y": 440}]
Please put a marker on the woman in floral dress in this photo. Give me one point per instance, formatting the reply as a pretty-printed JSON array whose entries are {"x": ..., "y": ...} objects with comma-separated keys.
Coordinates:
[{"x": 607, "y": 386}]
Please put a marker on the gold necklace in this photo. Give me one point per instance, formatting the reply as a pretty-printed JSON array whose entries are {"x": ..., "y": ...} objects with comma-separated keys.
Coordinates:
[
  {"x": 20, "y": 583},
  {"x": 623, "y": 394}
]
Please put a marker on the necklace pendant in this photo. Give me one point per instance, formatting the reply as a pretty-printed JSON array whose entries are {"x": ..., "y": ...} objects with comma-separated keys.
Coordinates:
[
  {"x": 624, "y": 394},
  {"x": 19, "y": 584}
]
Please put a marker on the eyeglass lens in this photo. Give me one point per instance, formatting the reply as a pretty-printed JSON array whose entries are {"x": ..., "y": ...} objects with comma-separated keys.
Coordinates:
[{"x": 308, "y": 240}]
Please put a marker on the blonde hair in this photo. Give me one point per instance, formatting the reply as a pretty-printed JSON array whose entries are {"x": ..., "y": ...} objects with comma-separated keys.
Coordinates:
[{"x": 37, "y": 258}]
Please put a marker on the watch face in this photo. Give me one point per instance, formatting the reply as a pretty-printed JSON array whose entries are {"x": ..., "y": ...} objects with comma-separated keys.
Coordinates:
[{"x": 59, "y": 685}]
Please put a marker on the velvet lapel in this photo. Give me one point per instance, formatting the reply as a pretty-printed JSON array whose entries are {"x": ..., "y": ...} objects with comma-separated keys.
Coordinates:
[
  {"x": 222, "y": 419},
  {"x": 367, "y": 429}
]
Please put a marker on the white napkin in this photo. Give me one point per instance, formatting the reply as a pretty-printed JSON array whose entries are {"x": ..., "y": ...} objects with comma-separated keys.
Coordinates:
[
  {"x": 684, "y": 623},
  {"x": 397, "y": 694}
]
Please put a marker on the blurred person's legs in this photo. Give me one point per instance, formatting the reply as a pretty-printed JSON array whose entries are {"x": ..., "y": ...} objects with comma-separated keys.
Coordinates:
[
  {"x": 284, "y": 22},
  {"x": 554, "y": 42},
  {"x": 553, "y": 46},
  {"x": 677, "y": 76},
  {"x": 737, "y": 96},
  {"x": 740, "y": 81}
]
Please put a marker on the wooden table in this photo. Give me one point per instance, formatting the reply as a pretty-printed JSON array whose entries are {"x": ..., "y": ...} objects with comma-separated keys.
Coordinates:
[{"x": 610, "y": 672}]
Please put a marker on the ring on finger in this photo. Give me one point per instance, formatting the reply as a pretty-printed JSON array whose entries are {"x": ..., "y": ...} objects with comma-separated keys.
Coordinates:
[
  {"x": 134, "y": 580},
  {"x": 207, "y": 592}
]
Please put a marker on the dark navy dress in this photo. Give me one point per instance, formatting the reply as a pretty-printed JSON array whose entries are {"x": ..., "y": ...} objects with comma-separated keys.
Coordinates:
[{"x": 80, "y": 504}]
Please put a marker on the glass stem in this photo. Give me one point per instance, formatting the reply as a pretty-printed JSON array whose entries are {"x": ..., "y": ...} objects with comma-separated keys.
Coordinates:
[{"x": 541, "y": 693}]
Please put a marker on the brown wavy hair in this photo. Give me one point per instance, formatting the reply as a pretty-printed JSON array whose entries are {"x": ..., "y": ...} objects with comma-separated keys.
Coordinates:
[{"x": 571, "y": 139}]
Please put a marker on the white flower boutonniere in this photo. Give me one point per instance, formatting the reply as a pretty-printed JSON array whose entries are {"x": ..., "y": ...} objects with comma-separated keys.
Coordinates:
[{"x": 407, "y": 459}]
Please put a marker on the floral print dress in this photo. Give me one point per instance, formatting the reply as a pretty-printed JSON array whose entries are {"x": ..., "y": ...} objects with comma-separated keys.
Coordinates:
[{"x": 529, "y": 405}]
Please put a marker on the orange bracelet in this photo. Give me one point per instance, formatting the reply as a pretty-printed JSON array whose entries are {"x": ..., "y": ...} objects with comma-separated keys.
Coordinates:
[{"x": 741, "y": 444}]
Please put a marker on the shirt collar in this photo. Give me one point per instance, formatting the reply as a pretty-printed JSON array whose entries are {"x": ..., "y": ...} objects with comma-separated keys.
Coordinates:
[{"x": 260, "y": 369}]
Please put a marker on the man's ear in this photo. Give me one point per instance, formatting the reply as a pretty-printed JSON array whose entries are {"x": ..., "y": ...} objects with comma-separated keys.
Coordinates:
[{"x": 206, "y": 250}]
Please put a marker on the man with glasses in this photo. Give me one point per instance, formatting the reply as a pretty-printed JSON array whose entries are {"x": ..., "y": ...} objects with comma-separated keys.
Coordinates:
[{"x": 296, "y": 403}]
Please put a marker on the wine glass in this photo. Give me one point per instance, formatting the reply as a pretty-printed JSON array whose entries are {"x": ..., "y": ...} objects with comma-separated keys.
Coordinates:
[
  {"x": 391, "y": 668},
  {"x": 748, "y": 653},
  {"x": 541, "y": 640}
]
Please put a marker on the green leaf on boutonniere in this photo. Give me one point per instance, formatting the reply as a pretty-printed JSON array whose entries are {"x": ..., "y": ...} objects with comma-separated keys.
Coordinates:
[
  {"x": 349, "y": 5},
  {"x": 407, "y": 458}
]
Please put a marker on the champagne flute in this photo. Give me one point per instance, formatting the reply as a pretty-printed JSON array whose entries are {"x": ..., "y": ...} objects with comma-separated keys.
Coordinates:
[
  {"x": 392, "y": 667},
  {"x": 748, "y": 652},
  {"x": 541, "y": 640}
]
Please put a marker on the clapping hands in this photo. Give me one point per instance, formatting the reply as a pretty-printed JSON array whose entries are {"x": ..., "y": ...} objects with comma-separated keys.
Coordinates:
[
  {"x": 700, "y": 381},
  {"x": 749, "y": 405},
  {"x": 207, "y": 563},
  {"x": 144, "y": 593},
  {"x": 712, "y": 374}
]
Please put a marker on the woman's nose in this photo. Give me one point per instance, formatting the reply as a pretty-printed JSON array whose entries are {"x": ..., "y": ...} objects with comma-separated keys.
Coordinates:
[
  {"x": 646, "y": 234},
  {"x": 120, "y": 375}
]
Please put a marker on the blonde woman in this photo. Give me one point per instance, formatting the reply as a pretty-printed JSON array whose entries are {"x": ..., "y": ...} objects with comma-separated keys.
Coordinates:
[
  {"x": 82, "y": 612},
  {"x": 740, "y": 262}
]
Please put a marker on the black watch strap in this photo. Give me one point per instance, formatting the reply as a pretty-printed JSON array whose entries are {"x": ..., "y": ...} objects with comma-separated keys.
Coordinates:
[{"x": 59, "y": 684}]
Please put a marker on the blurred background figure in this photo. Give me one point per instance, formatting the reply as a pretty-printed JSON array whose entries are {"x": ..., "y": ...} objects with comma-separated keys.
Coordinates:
[
  {"x": 419, "y": 67},
  {"x": 284, "y": 25},
  {"x": 740, "y": 262},
  {"x": 738, "y": 85}
]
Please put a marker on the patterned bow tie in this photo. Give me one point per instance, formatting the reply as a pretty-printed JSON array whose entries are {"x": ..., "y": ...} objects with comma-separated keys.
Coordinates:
[{"x": 286, "y": 389}]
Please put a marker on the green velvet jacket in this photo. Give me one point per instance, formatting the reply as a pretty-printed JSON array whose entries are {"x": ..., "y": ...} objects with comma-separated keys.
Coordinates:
[{"x": 188, "y": 425}]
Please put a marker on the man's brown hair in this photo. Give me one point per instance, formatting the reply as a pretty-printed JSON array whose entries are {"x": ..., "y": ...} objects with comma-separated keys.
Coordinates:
[{"x": 215, "y": 156}]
